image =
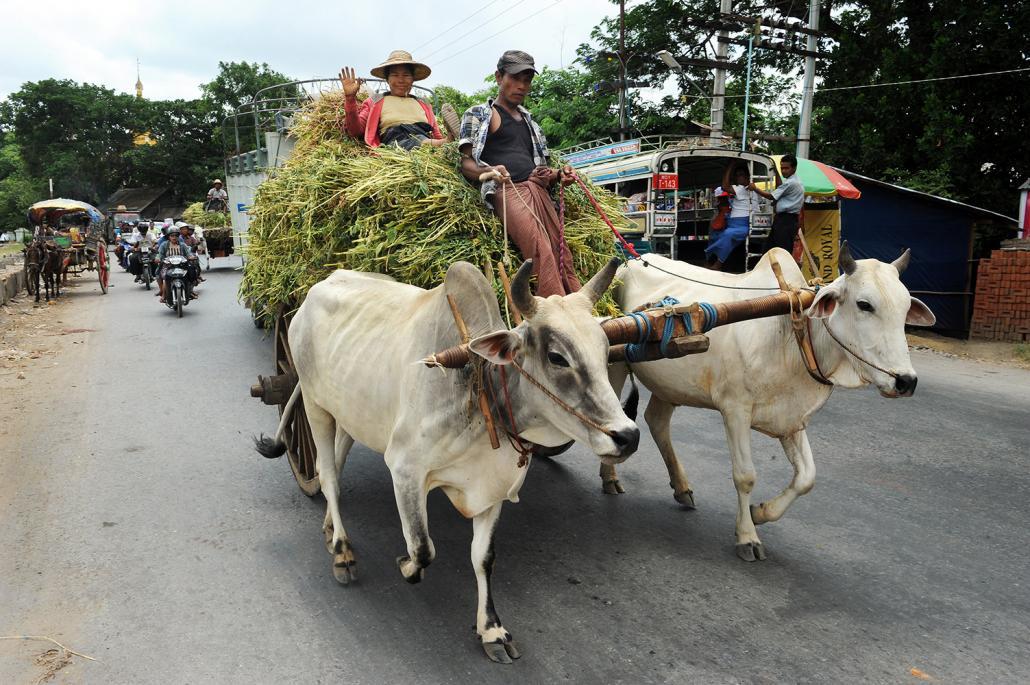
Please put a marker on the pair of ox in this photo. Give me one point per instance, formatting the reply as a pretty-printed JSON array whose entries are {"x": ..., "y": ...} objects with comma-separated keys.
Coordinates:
[
  {"x": 550, "y": 376},
  {"x": 753, "y": 373}
]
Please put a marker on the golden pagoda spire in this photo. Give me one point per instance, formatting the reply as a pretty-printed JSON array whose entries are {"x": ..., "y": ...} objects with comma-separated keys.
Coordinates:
[{"x": 139, "y": 82}]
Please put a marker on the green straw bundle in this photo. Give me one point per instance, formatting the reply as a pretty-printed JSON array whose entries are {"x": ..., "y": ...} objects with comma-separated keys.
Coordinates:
[{"x": 338, "y": 204}]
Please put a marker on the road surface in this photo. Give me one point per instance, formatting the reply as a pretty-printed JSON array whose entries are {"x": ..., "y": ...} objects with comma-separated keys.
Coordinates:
[{"x": 140, "y": 527}]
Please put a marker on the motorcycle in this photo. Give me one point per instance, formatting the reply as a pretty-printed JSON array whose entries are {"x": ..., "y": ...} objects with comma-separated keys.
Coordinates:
[
  {"x": 177, "y": 288},
  {"x": 146, "y": 274}
]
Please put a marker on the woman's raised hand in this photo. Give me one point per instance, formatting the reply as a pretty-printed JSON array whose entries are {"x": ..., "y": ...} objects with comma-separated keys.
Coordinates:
[{"x": 349, "y": 82}]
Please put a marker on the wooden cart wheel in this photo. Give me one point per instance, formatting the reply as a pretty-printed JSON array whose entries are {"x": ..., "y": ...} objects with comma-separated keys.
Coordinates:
[
  {"x": 103, "y": 272},
  {"x": 300, "y": 447}
]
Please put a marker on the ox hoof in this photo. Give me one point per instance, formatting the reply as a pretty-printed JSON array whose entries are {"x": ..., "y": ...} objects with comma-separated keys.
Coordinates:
[
  {"x": 686, "y": 498},
  {"x": 501, "y": 652},
  {"x": 612, "y": 487},
  {"x": 343, "y": 563},
  {"x": 751, "y": 551},
  {"x": 413, "y": 574},
  {"x": 343, "y": 569}
]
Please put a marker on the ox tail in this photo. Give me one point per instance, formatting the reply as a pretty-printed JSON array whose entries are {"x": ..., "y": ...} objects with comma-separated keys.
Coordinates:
[
  {"x": 274, "y": 447},
  {"x": 632, "y": 402}
]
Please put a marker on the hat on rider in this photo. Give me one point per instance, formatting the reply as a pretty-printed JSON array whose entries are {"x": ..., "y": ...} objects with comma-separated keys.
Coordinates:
[
  {"x": 402, "y": 58},
  {"x": 217, "y": 182}
]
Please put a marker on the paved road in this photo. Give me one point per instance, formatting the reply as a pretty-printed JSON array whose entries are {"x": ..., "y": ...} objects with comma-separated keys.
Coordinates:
[{"x": 140, "y": 527}]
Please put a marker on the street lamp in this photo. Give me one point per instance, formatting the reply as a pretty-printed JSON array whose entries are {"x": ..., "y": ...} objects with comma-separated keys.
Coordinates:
[
  {"x": 674, "y": 64},
  {"x": 671, "y": 61}
]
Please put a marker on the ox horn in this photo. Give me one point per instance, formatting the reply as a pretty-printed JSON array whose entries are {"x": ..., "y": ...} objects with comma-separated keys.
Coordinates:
[
  {"x": 901, "y": 263},
  {"x": 597, "y": 286},
  {"x": 847, "y": 262},
  {"x": 520, "y": 295}
]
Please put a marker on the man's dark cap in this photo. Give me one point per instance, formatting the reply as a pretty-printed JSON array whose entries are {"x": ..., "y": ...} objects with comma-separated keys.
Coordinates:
[{"x": 516, "y": 62}]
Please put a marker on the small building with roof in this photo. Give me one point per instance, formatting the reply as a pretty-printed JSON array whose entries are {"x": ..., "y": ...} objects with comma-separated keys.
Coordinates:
[
  {"x": 149, "y": 203},
  {"x": 944, "y": 236}
]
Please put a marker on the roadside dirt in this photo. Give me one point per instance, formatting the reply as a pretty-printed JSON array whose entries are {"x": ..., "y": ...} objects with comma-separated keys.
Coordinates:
[
  {"x": 1004, "y": 353},
  {"x": 41, "y": 347}
]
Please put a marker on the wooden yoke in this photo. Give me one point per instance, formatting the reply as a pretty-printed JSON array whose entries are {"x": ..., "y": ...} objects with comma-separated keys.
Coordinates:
[
  {"x": 484, "y": 406},
  {"x": 627, "y": 329}
]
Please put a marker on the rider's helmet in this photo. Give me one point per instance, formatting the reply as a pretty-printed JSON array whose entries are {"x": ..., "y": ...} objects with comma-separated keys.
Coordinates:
[{"x": 174, "y": 230}]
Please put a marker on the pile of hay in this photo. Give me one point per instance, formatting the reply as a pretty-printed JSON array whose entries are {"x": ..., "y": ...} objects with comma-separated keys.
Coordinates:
[
  {"x": 336, "y": 204},
  {"x": 195, "y": 214}
]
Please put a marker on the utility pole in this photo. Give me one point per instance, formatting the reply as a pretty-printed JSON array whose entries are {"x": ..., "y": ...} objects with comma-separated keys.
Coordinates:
[
  {"x": 722, "y": 53},
  {"x": 805, "y": 125},
  {"x": 622, "y": 69}
]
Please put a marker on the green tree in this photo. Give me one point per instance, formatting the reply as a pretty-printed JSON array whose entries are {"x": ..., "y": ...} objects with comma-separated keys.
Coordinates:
[
  {"x": 237, "y": 83},
  {"x": 185, "y": 153},
  {"x": 966, "y": 138},
  {"x": 73, "y": 133},
  {"x": 18, "y": 189}
]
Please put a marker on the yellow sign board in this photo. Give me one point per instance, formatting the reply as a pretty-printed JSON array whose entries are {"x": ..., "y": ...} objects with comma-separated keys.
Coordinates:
[{"x": 822, "y": 236}]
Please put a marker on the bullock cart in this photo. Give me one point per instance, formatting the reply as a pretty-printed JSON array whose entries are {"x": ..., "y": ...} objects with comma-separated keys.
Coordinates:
[{"x": 664, "y": 330}]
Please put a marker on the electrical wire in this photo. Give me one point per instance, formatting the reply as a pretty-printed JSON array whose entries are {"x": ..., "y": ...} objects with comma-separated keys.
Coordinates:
[
  {"x": 451, "y": 28},
  {"x": 476, "y": 28},
  {"x": 900, "y": 83},
  {"x": 523, "y": 21}
]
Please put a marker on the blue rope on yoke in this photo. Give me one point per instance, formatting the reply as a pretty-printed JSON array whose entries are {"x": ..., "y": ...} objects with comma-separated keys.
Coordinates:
[{"x": 635, "y": 351}]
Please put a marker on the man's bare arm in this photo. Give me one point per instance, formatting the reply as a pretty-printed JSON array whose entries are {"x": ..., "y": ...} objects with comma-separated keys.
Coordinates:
[{"x": 471, "y": 170}]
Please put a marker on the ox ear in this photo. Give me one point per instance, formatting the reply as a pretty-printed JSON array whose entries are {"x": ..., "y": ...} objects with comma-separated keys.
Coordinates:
[
  {"x": 497, "y": 348},
  {"x": 919, "y": 314},
  {"x": 825, "y": 302}
]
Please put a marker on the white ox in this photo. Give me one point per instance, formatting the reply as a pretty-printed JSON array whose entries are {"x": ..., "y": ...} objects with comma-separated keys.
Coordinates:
[
  {"x": 356, "y": 342},
  {"x": 753, "y": 372}
]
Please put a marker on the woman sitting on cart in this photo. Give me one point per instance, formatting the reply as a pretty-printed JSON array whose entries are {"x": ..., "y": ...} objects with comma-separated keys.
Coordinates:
[
  {"x": 397, "y": 117},
  {"x": 742, "y": 203}
]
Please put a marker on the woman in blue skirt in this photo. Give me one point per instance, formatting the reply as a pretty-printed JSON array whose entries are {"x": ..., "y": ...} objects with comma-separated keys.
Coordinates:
[{"x": 742, "y": 203}]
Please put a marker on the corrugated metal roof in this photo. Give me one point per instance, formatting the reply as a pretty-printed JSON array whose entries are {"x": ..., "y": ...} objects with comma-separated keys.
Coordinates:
[
  {"x": 134, "y": 199},
  {"x": 936, "y": 198}
]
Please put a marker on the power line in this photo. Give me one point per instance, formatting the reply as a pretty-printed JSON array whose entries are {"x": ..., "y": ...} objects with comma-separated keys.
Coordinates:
[
  {"x": 447, "y": 30},
  {"x": 523, "y": 21},
  {"x": 473, "y": 30},
  {"x": 905, "y": 83},
  {"x": 925, "y": 80}
]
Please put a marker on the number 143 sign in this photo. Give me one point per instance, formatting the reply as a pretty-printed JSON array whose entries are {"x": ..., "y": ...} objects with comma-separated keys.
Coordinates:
[{"x": 666, "y": 182}]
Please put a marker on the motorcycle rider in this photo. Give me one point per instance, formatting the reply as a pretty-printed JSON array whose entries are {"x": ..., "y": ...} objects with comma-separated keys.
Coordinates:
[
  {"x": 144, "y": 239},
  {"x": 173, "y": 247}
]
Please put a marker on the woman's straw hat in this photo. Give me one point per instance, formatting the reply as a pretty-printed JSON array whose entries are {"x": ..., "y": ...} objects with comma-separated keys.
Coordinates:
[{"x": 399, "y": 57}]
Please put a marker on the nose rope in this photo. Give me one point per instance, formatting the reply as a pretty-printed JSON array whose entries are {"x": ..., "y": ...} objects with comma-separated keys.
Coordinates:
[
  {"x": 855, "y": 354},
  {"x": 561, "y": 403}
]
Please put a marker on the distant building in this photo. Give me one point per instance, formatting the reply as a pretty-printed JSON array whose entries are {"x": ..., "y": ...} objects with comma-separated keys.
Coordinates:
[{"x": 149, "y": 203}]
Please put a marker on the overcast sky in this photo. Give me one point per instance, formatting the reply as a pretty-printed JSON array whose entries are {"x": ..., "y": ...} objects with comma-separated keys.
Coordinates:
[{"x": 179, "y": 44}]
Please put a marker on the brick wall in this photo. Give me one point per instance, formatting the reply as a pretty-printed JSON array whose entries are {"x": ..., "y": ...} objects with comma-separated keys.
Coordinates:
[{"x": 1001, "y": 310}]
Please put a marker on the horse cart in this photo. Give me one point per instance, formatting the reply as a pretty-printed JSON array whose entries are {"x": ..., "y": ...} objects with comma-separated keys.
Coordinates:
[{"x": 68, "y": 238}]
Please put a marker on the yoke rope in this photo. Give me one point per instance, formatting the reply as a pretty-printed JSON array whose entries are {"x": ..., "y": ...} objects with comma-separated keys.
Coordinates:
[{"x": 635, "y": 351}]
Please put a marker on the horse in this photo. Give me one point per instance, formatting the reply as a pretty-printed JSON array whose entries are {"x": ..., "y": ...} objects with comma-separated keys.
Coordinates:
[
  {"x": 35, "y": 254},
  {"x": 53, "y": 267}
]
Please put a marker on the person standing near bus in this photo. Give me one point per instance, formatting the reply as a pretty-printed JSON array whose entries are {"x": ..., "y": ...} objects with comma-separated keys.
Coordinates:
[{"x": 789, "y": 198}]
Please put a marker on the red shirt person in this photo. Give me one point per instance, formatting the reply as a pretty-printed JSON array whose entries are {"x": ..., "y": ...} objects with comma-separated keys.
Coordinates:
[{"x": 397, "y": 117}]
